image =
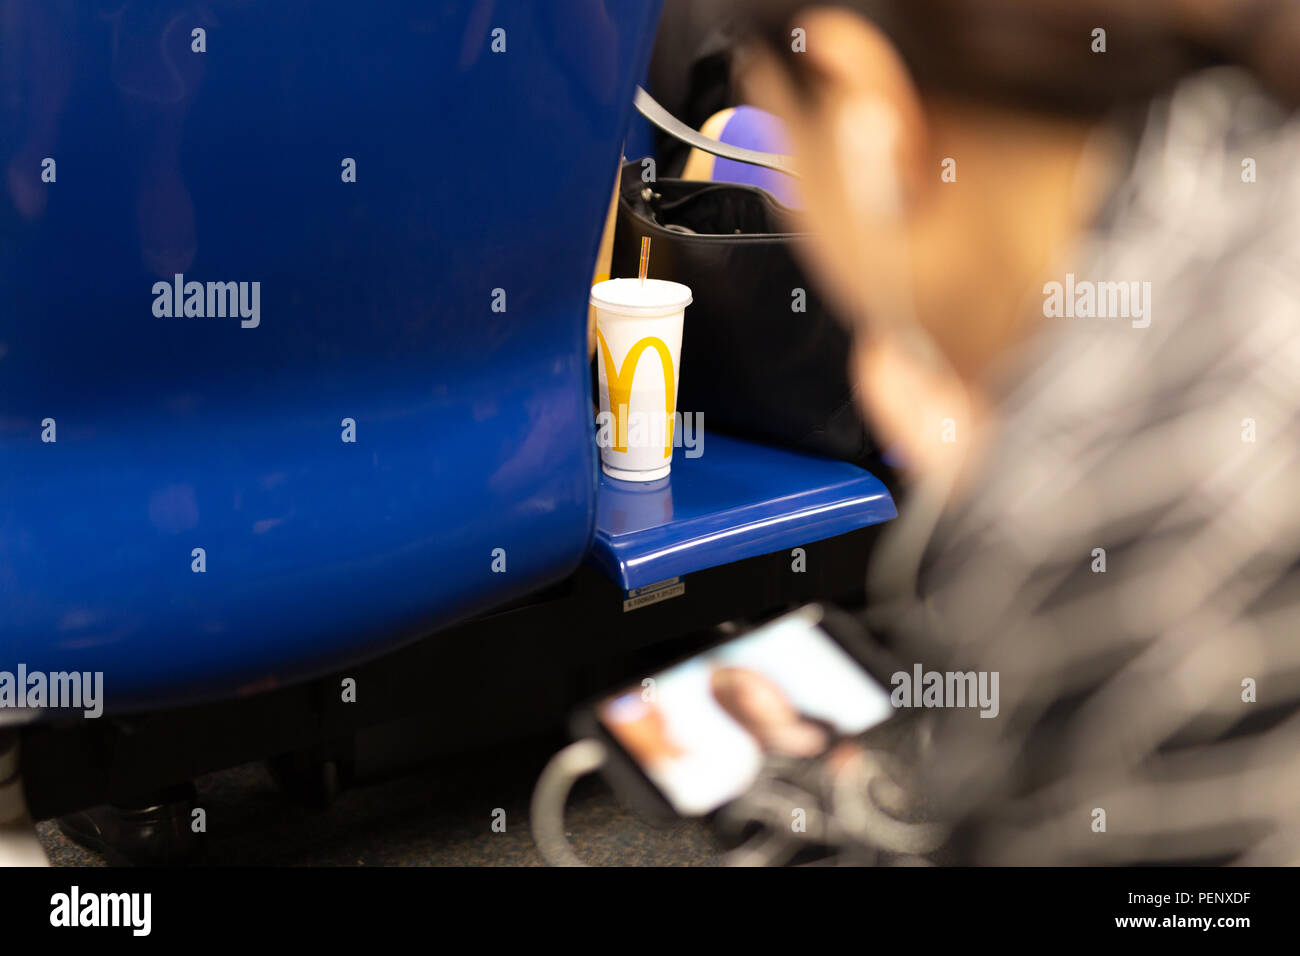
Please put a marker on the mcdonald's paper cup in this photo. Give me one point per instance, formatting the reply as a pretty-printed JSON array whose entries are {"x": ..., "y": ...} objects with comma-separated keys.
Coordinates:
[{"x": 638, "y": 354}]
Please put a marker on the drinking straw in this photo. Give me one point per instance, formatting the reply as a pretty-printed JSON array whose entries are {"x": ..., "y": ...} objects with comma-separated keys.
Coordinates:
[{"x": 645, "y": 260}]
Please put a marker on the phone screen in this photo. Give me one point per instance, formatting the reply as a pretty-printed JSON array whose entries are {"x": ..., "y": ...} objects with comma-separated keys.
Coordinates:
[{"x": 702, "y": 729}]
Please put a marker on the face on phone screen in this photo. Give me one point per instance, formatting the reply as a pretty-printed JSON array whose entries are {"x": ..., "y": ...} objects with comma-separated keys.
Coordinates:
[{"x": 703, "y": 729}]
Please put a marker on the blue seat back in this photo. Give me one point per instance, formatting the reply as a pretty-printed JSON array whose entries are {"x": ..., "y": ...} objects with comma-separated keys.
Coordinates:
[{"x": 434, "y": 310}]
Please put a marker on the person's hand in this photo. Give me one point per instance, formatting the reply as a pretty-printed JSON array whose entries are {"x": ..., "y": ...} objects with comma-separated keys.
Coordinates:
[{"x": 925, "y": 413}]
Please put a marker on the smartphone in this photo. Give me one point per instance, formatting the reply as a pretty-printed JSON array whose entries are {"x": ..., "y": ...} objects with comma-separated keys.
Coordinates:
[{"x": 689, "y": 739}]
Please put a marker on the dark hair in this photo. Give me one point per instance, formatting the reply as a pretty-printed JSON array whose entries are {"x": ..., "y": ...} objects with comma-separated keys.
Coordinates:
[{"x": 1038, "y": 53}]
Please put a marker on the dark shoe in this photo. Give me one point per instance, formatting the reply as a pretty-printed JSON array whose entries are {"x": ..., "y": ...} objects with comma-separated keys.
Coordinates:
[{"x": 155, "y": 832}]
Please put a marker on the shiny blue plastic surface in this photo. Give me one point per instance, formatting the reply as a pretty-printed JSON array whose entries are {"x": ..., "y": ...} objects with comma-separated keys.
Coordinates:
[
  {"x": 476, "y": 171},
  {"x": 737, "y": 500}
]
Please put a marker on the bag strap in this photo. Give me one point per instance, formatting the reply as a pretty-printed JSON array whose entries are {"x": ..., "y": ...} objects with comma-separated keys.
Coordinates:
[{"x": 650, "y": 108}]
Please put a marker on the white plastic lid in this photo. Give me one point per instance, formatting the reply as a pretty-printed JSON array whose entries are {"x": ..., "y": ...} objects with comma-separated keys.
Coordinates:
[{"x": 629, "y": 297}]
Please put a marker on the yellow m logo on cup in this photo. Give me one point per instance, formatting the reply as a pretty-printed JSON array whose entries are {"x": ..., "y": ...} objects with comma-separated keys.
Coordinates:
[{"x": 619, "y": 381}]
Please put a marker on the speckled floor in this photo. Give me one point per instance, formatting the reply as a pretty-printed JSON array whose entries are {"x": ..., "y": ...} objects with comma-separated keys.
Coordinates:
[{"x": 439, "y": 815}]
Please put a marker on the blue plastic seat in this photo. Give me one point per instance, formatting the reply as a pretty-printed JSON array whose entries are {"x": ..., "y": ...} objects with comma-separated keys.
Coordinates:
[
  {"x": 437, "y": 303},
  {"x": 734, "y": 501},
  {"x": 434, "y": 310}
]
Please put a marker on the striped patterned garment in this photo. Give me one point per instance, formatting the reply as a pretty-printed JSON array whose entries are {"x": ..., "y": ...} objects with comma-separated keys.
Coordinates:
[{"x": 1164, "y": 690}]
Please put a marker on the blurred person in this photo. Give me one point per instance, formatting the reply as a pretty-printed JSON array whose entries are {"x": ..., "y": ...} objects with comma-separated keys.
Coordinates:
[{"x": 1105, "y": 507}]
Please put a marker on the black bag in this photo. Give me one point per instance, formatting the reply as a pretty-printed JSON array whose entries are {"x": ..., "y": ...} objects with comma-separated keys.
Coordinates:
[{"x": 752, "y": 364}]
